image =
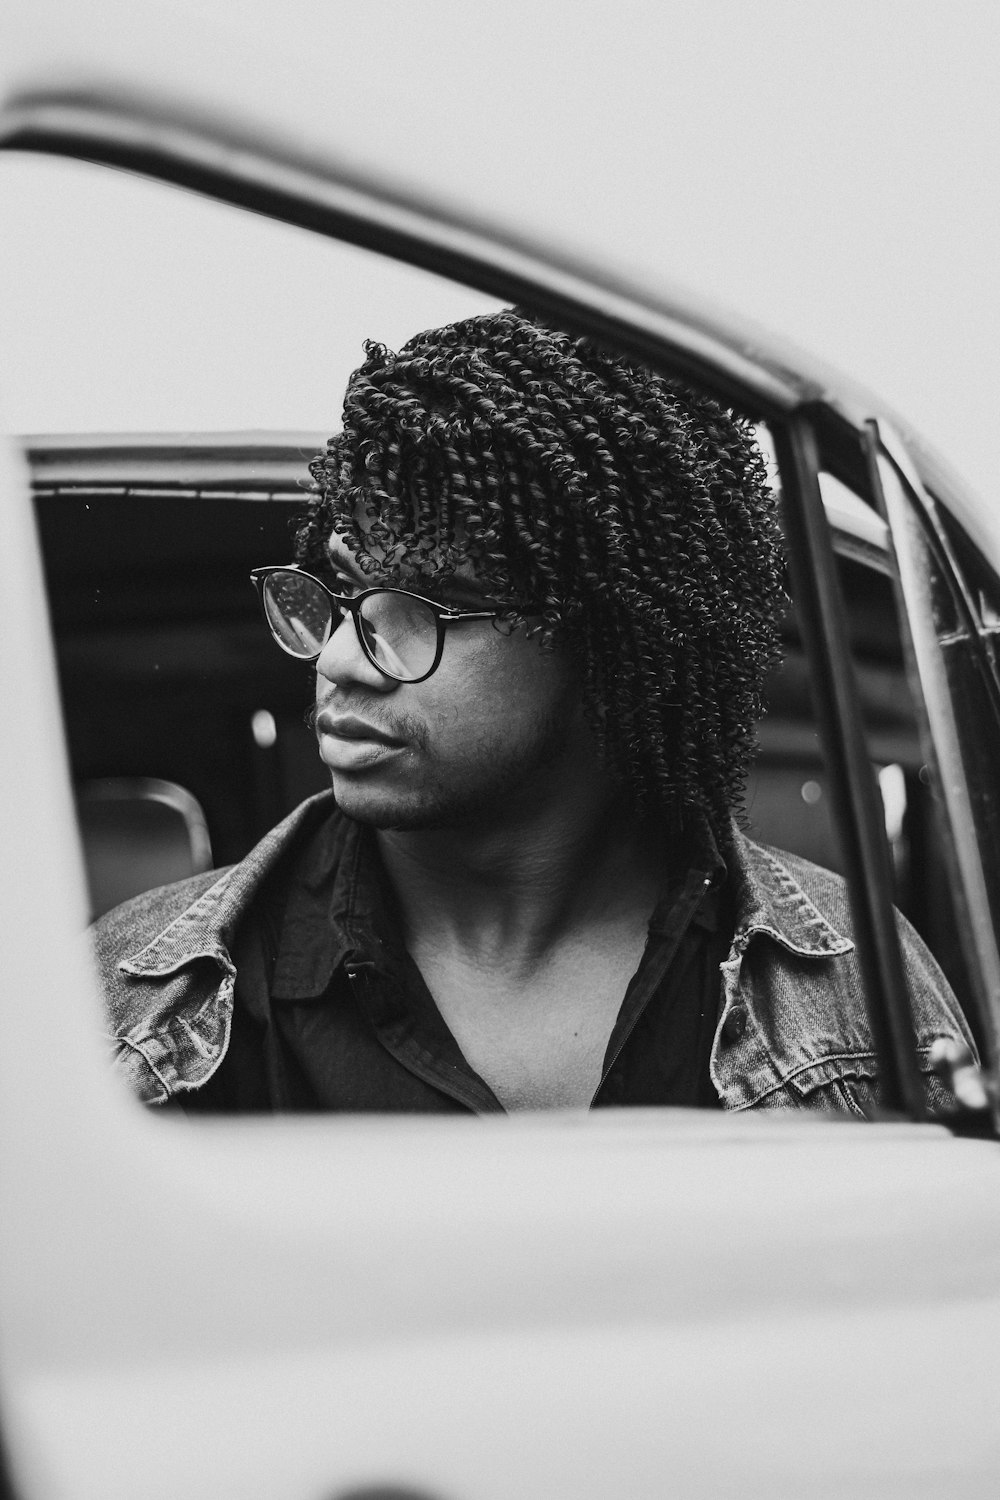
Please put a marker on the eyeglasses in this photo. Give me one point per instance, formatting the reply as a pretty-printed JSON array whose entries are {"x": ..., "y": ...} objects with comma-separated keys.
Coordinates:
[{"x": 402, "y": 634}]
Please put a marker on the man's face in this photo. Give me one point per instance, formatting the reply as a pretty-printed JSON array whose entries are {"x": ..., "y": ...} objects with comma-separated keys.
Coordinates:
[{"x": 499, "y": 721}]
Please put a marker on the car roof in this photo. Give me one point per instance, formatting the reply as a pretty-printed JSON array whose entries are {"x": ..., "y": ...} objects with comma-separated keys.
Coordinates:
[{"x": 734, "y": 354}]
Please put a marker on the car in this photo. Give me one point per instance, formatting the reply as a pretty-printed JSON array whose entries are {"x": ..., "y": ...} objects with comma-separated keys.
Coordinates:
[{"x": 636, "y": 1302}]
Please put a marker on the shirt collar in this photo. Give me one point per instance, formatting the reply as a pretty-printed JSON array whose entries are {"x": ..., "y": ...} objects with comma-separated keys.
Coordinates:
[
  {"x": 338, "y": 906},
  {"x": 696, "y": 865}
]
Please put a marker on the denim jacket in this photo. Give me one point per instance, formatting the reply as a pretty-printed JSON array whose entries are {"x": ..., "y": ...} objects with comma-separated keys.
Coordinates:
[{"x": 792, "y": 1032}]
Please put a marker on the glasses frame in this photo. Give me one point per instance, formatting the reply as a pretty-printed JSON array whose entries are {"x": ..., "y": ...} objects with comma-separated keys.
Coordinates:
[{"x": 351, "y": 604}]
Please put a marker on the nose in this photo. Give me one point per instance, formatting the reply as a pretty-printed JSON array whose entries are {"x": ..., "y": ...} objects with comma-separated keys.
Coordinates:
[{"x": 343, "y": 663}]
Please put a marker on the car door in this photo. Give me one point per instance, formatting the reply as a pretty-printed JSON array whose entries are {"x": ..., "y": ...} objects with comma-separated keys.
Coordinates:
[{"x": 316, "y": 1305}]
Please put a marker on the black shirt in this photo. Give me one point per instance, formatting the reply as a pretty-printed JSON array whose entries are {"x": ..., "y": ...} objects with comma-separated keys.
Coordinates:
[{"x": 331, "y": 1012}]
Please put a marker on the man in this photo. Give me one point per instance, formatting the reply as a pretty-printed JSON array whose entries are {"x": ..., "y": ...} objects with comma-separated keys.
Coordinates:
[{"x": 542, "y": 588}]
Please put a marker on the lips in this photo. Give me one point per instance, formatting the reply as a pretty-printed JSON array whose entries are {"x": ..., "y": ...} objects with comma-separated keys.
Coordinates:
[
  {"x": 350, "y": 727},
  {"x": 350, "y": 743}
]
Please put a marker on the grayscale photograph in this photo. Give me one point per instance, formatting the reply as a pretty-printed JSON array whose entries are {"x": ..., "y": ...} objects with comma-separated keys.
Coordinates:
[{"x": 501, "y": 761}]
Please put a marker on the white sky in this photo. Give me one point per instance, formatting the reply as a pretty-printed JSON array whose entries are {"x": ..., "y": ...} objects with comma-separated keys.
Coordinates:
[{"x": 831, "y": 170}]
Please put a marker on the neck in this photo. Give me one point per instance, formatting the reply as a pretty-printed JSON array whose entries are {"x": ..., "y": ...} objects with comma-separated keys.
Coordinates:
[{"x": 517, "y": 884}]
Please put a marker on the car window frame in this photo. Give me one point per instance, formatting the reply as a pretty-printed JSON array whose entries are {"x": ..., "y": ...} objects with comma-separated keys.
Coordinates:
[{"x": 212, "y": 159}]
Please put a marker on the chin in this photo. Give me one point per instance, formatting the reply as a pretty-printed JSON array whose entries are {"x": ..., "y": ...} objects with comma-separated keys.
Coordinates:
[
  {"x": 399, "y": 812},
  {"x": 382, "y": 808}
]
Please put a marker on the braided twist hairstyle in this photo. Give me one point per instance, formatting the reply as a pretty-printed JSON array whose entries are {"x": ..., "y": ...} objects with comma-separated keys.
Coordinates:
[{"x": 619, "y": 512}]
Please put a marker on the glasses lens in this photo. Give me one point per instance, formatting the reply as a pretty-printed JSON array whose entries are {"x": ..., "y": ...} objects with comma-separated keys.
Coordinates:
[
  {"x": 401, "y": 633},
  {"x": 299, "y": 613}
]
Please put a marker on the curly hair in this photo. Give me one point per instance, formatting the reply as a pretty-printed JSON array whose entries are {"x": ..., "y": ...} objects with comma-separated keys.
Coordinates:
[{"x": 617, "y": 511}]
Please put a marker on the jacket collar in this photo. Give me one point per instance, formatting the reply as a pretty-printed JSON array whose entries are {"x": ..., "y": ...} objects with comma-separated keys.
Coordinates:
[
  {"x": 768, "y": 900},
  {"x": 205, "y": 929}
]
